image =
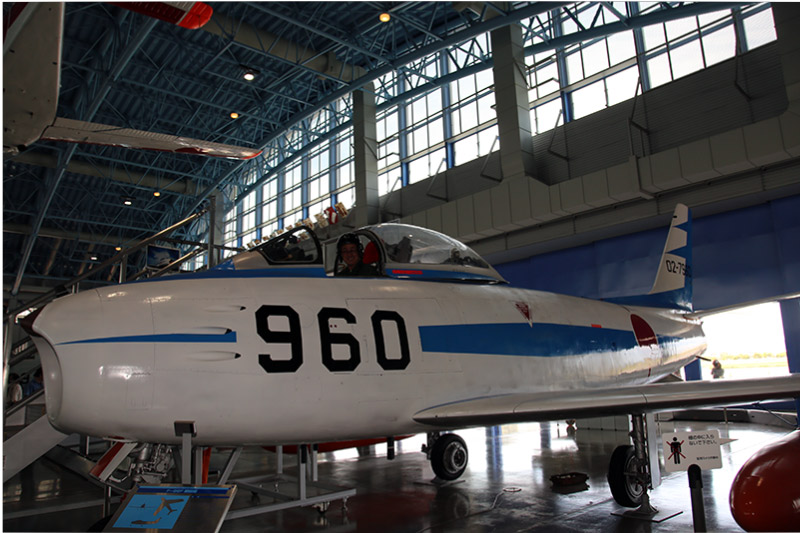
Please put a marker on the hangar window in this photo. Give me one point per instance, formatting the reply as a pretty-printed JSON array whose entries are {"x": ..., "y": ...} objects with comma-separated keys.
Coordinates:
[
  {"x": 347, "y": 197},
  {"x": 345, "y": 175},
  {"x": 543, "y": 76},
  {"x": 229, "y": 239},
  {"x": 677, "y": 48},
  {"x": 390, "y": 181},
  {"x": 389, "y": 149},
  {"x": 476, "y": 145},
  {"x": 547, "y": 115},
  {"x": 318, "y": 184},
  {"x": 759, "y": 26},
  {"x": 270, "y": 211},
  {"x": 292, "y": 219},
  {"x": 442, "y": 125},
  {"x": 585, "y": 77}
]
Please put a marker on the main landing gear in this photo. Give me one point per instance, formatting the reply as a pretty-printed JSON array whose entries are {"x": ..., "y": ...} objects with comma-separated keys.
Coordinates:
[
  {"x": 448, "y": 455},
  {"x": 629, "y": 476}
]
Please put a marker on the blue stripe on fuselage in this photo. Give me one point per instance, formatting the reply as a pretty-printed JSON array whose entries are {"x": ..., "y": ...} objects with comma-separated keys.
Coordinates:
[
  {"x": 165, "y": 337},
  {"x": 542, "y": 340},
  {"x": 296, "y": 272}
]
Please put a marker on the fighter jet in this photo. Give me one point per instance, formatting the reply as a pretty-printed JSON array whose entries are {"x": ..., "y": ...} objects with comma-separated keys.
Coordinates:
[
  {"x": 165, "y": 503},
  {"x": 272, "y": 347}
]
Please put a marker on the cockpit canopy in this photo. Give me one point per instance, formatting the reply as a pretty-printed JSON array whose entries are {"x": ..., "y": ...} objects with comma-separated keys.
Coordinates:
[
  {"x": 414, "y": 252},
  {"x": 395, "y": 250}
]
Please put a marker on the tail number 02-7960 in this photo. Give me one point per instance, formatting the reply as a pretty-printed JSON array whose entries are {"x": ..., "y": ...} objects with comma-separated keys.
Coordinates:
[{"x": 293, "y": 337}]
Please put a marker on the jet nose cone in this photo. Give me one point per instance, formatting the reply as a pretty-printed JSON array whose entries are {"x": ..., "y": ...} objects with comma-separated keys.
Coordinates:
[{"x": 27, "y": 322}]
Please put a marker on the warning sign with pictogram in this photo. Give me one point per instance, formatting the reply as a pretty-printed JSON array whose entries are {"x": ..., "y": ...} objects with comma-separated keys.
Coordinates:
[{"x": 683, "y": 449}]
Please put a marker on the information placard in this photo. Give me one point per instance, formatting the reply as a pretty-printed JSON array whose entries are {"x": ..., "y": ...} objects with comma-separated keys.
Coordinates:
[
  {"x": 174, "y": 508},
  {"x": 685, "y": 448}
]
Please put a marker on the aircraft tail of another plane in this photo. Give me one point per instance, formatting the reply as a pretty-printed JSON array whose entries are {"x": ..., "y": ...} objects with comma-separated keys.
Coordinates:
[{"x": 672, "y": 288}]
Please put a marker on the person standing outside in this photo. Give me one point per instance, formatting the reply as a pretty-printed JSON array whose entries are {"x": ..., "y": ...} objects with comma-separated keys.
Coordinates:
[{"x": 717, "y": 372}]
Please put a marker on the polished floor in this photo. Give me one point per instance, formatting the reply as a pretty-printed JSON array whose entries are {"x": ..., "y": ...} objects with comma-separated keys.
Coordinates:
[{"x": 506, "y": 487}]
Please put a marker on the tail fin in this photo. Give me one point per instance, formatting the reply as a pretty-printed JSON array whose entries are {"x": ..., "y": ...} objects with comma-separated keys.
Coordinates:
[{"x": 672, "y": 288}]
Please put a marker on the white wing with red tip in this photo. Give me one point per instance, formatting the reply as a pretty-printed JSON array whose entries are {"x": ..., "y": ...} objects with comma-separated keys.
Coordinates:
[
  {"x": 189, "y": 15},
  {"x": 31, "y": 71},
  {"x": 91, "y": 133}
]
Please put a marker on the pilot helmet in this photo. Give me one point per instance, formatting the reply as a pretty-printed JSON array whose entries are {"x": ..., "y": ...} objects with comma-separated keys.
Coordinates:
[{"x": 349, "y": 238}]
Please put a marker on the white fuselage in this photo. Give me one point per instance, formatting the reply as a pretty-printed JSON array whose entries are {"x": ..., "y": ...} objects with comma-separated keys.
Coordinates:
[{"x": 270, "y": 360}]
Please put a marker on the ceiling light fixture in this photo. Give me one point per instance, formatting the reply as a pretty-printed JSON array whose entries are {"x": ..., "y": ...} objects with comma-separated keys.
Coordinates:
[
  {"x": 249, "y": 73},
  {"x": 127, "y": 200},
  {"x": 385, "y": 17},
  {"x": 156, "y": 194},
  {"x": 93, "y": 258},
  {"x": 234, "y": 115},
  {"x": 118, "y": 248}
]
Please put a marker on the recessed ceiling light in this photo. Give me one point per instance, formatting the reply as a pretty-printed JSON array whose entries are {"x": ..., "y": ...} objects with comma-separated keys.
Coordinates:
[
  {"x": 156, "y": 193},
  {"x": 118, "y": 248},
  {"x": 249, "y": 75},
  {"x": 93, "y": 258},
  {"x": 127, "y": 200},
  {"x": 385, "y": 17},
  {"x": 234, "y": 115}
]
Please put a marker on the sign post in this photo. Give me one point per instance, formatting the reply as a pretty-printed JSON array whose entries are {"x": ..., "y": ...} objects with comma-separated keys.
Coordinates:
[{"x": 693, "y": 451}]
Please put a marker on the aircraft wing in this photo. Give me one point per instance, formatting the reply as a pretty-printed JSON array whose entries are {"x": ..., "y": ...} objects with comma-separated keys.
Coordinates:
[
  {"x": 31, "y": 74},
  {"x": 587, "y": 403},
  {"x": 189, "y": 15},
  {"x": 69, "y": 130}
]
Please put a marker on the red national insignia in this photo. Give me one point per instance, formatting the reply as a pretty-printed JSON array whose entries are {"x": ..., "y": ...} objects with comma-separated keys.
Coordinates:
[{"x": 523, "y": 308}]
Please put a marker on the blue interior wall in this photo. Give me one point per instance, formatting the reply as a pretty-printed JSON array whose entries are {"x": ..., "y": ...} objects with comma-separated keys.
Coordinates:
[{"x": 738, "y": 256}]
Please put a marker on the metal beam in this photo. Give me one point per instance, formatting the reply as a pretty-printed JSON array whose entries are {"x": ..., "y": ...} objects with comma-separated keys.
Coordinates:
[
  {"x": 98, "y": 100},
  {"x": 108, "y": 262},
  {"x": 243, "y": 34},
  {"x": 126, "y": 176},
  {"x": 414, "y": 55},
  {"x": 272, "y": 12},
  {"x": 639, "y": 21}
]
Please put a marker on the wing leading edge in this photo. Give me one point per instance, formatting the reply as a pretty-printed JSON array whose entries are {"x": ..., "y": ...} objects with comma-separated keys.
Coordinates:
[
  {"x": 533, "y": 407},
  {"x": 69, "y": 130}
]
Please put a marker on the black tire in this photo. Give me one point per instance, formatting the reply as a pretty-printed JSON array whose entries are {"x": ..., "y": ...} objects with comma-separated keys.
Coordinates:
[
  {"x": 622, "y": 477},
  {"x": 449, "y": 457}
]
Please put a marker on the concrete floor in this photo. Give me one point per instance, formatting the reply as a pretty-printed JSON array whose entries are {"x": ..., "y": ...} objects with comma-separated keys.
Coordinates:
[{"x": 505, "y": 488}]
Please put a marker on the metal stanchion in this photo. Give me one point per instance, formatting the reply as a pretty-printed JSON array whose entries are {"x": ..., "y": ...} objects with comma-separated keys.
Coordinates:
[{"x": 696, "y": 490}]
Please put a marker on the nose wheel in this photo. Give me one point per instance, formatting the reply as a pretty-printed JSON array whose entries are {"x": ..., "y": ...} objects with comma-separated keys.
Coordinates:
[{"x": 448, "y": 456}]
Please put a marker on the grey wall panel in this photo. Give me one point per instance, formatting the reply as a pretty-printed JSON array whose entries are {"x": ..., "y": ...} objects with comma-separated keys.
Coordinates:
[
  {"x": 698, "y": 106},
  {"x": 709, "y": 101},
  {"x": 693, "y": 107}
]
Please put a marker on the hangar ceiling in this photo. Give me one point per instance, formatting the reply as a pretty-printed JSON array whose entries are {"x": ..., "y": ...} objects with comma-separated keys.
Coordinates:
[{"x": 63, "y": 203}]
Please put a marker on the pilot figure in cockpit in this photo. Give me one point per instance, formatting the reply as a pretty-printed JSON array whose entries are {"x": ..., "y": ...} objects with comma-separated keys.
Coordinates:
[{"x": 351, "y": 253}]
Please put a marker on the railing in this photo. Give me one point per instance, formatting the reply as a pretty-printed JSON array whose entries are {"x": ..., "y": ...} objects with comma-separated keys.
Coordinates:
[
  {"x": 24, "y": 349},
  {"x": 118, "y": 258},
  {"x": 27, "y": 400}
]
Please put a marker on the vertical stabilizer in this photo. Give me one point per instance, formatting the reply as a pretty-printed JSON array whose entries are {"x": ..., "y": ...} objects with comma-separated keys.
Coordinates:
[
  {"x": 674, "y": 278},
  {"x": 673, "y": 285}
]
